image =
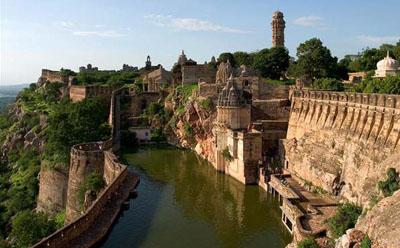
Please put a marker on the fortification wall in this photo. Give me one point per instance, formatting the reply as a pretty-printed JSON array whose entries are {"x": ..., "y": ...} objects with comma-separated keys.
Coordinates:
[
  {"x": 277, "y": 109},
  {"x": 85, "y": 159},
  {"x": 53, "y": 77},
  {"x": 82, "y": 224},
  {"x": 141, "y": 101},
  {"x": 265, "y": 91},
  {"x": 343, "y": 142},
  {"x": 194, "y": 73},
  {"x": 79, "y": 92},
  {"x": 53, "y": 186}
]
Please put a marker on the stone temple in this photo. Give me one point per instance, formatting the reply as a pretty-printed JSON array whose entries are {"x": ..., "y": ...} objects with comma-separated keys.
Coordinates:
[{"x": 278, "y": 29}]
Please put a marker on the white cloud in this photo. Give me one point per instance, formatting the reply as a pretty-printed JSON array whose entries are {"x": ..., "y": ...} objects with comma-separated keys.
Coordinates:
[
  {"x": 66, "y": 24},
  {"x": 378, "y": 40},
  {"x": 108, "y": 34},
  {"x": 190, "y": 24},
  {"x": 309, "y": 21}
]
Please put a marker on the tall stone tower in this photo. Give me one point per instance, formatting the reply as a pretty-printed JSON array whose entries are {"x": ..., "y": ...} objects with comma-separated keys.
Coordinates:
[{"x": 278, "y": 29}]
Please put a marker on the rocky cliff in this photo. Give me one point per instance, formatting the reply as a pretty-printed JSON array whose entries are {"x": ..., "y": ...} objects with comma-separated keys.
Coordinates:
[
  {"x": 192, "y": 127},
  {"x": 343, "y": 142}
]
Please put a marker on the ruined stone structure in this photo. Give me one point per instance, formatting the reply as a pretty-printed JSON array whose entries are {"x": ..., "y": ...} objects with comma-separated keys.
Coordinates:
[
  {"x": 80, "y": 92},
  {"x": 343, "y": 142},
  {"x": 356, "y": 77},
  {"x": 225, "y": 70},
  {"x": 54, "y": 77},
  {"x": 195, "y": 73},
  {"x": 156, "y": 80},
  {"x": 278, "y": 29}
]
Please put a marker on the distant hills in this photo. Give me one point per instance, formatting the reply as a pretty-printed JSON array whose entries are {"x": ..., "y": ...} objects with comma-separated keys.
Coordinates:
[{"x": 8, "y": 93}]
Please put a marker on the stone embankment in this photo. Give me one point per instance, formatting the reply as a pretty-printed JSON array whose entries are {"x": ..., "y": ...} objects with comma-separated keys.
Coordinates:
[
  {"x": 343, "y": 142},
  {"x": 89, "y": 228}
]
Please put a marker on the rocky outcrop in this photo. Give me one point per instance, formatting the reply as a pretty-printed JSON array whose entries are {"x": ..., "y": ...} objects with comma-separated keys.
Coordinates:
[
  {"x": 193, "y": 129},
  {"x": 382, "y": 222}
]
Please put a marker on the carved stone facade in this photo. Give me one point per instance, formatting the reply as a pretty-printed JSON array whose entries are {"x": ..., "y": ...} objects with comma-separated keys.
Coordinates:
[{"x": 278, "y": 29}]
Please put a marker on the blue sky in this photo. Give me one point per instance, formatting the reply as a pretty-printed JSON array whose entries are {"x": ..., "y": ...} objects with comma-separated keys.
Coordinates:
[{"x": 55, "y": 34}]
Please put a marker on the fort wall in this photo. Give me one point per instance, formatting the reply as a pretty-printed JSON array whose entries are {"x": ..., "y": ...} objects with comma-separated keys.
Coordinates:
[
  {"x": 85, "y": 159},
  {"x": 53, "y": 77},
  {"x": 343, "y": 142},
  {"x": 117, "y": 175},
  {"x": 194, "y": 73},
  {"x": 80, "y": 92},
  {"x": 53, "y": 185}
]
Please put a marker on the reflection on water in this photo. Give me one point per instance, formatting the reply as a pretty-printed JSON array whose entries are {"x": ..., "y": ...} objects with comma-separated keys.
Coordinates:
[{"x": 184, "y": 202}]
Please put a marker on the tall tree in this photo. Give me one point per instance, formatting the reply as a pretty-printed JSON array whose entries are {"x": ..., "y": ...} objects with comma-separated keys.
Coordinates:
[
  {"x": 243, "y": 58},
  {"x": 315, "y": 60},
  {"x": 272, "y": 63}
]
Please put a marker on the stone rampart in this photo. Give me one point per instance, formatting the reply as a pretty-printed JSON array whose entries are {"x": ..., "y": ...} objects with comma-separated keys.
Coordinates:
[
  {"x": 53, "y": 77},
  {"x": 277, "y": 109},
  {"x": 85, "y": 159},
  {"x": 80, "y": 92},
  {"x": 194, "y": 73},
  {"x": 53, "y": 186},
  {"x": 64, "y": 236},
  {"x": 343, "y": 142}
]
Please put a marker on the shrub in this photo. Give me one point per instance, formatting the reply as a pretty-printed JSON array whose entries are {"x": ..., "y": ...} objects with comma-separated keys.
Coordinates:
[
  {"x": 345, "y": 218},
  {"x": 328, "y": 84},
  {"x": 391, "y": 184},
  {"x": 157, "y": 135},
  {"x": 206, "y": 104},
  {"x": 29, "y": 227},
  {"x": 308, "y": 243},
  {"x": 154, "y": 108},
  {"x": 188, "y": 129},
  {"x": 227, "y": 155},
  {"x": 93, "y": 182},
  {"x": 366, "y": 242}
]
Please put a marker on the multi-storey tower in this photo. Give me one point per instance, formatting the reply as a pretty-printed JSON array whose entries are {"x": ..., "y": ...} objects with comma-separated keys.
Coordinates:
[{"x": 278, "y": 29}]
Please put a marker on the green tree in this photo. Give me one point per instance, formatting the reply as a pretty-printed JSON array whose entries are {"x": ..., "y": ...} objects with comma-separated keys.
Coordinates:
[
  {"x": 272, "y": 63},
  {"x": 315, "y": 60},
  {"x": 243, "y": 58},
  {"x": 224, "y": 57},
  {"x": 74, "y": 123},
  {"x": 29, "y": 227}
]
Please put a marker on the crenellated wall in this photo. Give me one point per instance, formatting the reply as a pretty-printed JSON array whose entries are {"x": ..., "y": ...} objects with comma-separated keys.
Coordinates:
[{"x": 343, "y": 142}]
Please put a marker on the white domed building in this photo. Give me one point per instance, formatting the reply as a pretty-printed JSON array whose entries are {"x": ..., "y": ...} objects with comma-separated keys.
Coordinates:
[{"x": 387, "y": 67}]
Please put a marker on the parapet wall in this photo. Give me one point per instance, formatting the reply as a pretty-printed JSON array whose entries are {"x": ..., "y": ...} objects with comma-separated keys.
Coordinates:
[
  {"x": 343, "y": 142},
  {"x": 116, "y": 178}
]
